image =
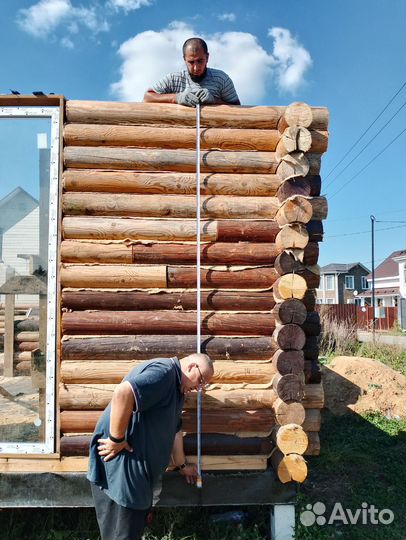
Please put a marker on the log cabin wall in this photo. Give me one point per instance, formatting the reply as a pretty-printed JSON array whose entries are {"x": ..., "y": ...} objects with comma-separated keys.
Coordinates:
[{"x": 128, "y": 273}]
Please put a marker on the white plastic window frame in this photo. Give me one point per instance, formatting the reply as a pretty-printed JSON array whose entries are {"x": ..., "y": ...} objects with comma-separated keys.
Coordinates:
[
  {"x": 349, "y": 282},
  {"x": 48, "y": 446},
  {"x": 329, "y": 280}
]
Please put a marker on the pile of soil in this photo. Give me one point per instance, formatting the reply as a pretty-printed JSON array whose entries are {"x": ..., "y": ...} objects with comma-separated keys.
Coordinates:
[{"x": 353, "y": 383}]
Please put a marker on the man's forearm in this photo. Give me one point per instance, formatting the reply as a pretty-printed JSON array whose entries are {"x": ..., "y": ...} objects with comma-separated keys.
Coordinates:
[
  {"x": 178, "y": 453},
  {"x": 154, "y": 97},
  {"x": 122, "y": 406}
]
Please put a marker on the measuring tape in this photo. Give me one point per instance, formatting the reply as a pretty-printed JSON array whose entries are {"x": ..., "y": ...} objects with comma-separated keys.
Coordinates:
[{"x": 198, "y": 297}]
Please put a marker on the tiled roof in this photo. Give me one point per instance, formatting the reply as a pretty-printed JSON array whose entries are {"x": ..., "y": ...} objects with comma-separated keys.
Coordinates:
[
  {"x": 339, "y": 268},
  {"x": 389, "y": 267}
]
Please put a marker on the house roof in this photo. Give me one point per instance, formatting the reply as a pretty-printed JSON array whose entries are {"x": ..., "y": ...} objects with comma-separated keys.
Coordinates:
[
  {"x": 340, "y": 268},
  {"x": 388, "y": 268},
  {"x": 389, "y": 291},
  {"x": 14, "y": 207}
]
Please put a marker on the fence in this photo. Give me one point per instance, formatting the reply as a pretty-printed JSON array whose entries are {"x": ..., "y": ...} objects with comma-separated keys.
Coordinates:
[{"x": 361, "y": 317}]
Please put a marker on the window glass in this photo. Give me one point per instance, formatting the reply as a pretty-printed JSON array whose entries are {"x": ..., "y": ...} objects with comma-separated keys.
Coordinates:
[{"x": 349, "y": 282}]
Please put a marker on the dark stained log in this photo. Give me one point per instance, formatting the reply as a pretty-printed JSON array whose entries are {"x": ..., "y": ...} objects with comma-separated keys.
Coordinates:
[
  {"x": 28, "y": 345},
  {"x": 289, "y": 336},
  {"x": 168, "y": 322},
  {"x": 312, "y": 326},
  {"x": 289, "y": 413},
  {"x": 254, "y": 278},
  {"x": 286, "y": 362},
  {"x": 313, "y": 447},
  {"x": 143, "y": 300},
  {"x": 312, "y": 371},
  {"x": 307, "y": 186},
  {"x": 311, "y": 348},
  {"x": 147, "y": 159},
  {"x": 212, "y": 444},
  {"x": 260, "y": 185},
  {"x": 172, "y": 253},
  {"x": 27, "y": 325},
  {"x": 182, "y": 206},
  {"x": 289, "y": 387},
  {"x": 146, "y": 347},
  {"x": 315, "y": 231},
  {"x": 291, "y": 310},
  {"x": 286, "y": 262},
  {"x": 309, "y": 299}
]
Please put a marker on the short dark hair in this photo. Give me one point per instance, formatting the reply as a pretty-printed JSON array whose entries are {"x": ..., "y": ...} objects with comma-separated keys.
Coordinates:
[{"x": 196, "y": 42}]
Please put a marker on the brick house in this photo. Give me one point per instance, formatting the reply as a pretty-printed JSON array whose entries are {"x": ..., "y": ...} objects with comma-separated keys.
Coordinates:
[{"x": 340, "y": 283}]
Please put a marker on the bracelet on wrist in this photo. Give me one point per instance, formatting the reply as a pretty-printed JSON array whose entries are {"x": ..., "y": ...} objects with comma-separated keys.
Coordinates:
[
  {"x": 115, "y": 439},
  {"x": 180, "y": 467}
]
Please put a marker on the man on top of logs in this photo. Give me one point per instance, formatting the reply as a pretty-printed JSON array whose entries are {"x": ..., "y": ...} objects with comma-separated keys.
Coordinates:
[
  {"x": 136, "y": 437},
  {"x": 197, "y": 84}
]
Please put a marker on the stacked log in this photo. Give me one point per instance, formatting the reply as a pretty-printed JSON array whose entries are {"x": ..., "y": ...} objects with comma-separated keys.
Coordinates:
[
  {"x": 295, "y": 361},
  {"x": 128, "y": 271}
]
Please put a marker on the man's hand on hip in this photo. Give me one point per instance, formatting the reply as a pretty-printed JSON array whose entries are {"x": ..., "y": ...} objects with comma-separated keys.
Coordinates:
[
  {"x": 108, "y": 449},
  {"x": 190, "y": 473},
  {"x": 205, "y": 97},
  {"x": 187, "y": 98}
]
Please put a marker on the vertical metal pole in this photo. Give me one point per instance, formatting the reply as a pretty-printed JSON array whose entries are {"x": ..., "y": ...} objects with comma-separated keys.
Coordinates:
[
  {"x": 373, "y": 274},
  {"x": 198, "y": 295}
]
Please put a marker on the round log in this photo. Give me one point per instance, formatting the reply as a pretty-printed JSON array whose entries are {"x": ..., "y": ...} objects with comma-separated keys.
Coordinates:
[
  {"x": 301, "y": 114},
  {"x": 296, "y": 209},
  {"x": 289, "y": 413},
  {"x": 146, "y": 347},
  {"x": 286, "y": 362},
  {"x": 27, "y": 325},
  {"x": 294, "y": 164},
  {"x": 230, "y": 278},
  {"x": 313, "y": 448},
  {"x": 289, "y": 336},
  {"x": 289, "y": 387},
  {"x": 171, "y": 206},
  {"x": 145, "y": 300},
  {"x": 311, "y": 325},
  {"x": 147, "y": 159},
  {"x": 287, "y": 263},
  {"x": 175, "y": 137},
  {"x": 289, "y": 286},
  {"x": 312, "y": 421},
  {"x": 28, "y": 345},
  {"x": 23, "y": 367},
  {"x": 113, "y": 276},
  {"x": 292, "y": 236},
  {"x": 27, "y": 336},
  {"x": 247, "y": 231},
  {"x": 291, "y": 310},
  {"x": 309, "y": 299},
  {"x": 168, "y": 323},
  {"x": 314, "y": 396},
  {"x": 260, "y": 185},
  {"x": 289, "y": 468},
  {"x": 312, "y": 371},
  {"x": 79, "y": 251},
  {"x": 307, "y": 186},
  {"x": 113, "y": 371},
  {"x": 291, "y": 439},
  {"x": 315, "y": 231},
  {"x": 125, "y": 113},
  {"x": 311, "y": 348}
]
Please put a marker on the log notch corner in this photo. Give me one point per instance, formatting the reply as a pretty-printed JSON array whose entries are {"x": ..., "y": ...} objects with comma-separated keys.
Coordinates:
[{"x": 297, "y": 324}]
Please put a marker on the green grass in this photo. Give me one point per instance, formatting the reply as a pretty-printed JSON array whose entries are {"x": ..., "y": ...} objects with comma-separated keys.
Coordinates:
[{"x": 390, "y": 355}]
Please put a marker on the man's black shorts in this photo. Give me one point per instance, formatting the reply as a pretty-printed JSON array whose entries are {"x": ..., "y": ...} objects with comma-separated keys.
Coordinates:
[{"x": 117, "y": 522}]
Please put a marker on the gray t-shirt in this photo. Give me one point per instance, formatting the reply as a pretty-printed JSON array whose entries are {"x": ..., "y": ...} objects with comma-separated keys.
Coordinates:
[
  {"x": 129, "y": 478},
  {"x": 216, "y": 81}
]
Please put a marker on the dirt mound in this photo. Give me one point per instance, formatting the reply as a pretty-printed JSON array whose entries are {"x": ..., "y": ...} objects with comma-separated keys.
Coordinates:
[{"x": 362, "y": 384}]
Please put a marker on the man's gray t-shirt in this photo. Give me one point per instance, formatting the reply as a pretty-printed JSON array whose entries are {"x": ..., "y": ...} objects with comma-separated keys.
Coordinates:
[
  {"x": 216, "y": 81},
  {"x": 129, "y": 477}
]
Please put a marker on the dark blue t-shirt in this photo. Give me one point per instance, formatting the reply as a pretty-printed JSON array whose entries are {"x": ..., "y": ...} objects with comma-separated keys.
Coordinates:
[{"x": 129, "y": 477}]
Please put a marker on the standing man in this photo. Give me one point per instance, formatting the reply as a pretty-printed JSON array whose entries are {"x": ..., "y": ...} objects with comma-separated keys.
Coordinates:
[
  {"x": 134, "y": 438},
  {"x": 197, "y": 83}
]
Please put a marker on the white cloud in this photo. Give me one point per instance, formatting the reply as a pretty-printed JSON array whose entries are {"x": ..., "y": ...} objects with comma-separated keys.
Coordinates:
[
  {"x": 67, "y": 43},
  {"x": 128, "y": 5},
  {"x": 44, "y": 17},
  {"x": 150, "y": 55},
  {"x": 231, "y": 17},
  {"x": 292, "y": 59}
]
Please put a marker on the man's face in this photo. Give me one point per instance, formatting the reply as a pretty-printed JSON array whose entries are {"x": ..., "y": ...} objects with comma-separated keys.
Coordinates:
[{"x": 196, "y": 62}]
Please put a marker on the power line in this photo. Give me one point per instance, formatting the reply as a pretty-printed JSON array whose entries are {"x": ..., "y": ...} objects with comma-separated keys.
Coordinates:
[
  {"x": 366, "y": 131},
  {"x": 365, "y": 232},
  {"x": 364, "y": 147},
  {"x": 368, "y": 164}
]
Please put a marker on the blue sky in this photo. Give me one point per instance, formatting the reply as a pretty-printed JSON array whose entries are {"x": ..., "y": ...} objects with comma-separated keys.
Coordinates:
[{"x": 348, "y": 55}]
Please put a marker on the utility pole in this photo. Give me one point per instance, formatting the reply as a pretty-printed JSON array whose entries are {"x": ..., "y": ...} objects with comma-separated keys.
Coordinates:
[{"x": 373, "y": 219}]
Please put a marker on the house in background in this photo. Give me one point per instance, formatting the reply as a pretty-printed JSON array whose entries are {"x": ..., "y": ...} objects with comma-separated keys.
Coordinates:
[
  {"x": 388, "y": 278},
  {"x": 339, "y": 283},
  {"x": 19, "y": 236}
]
